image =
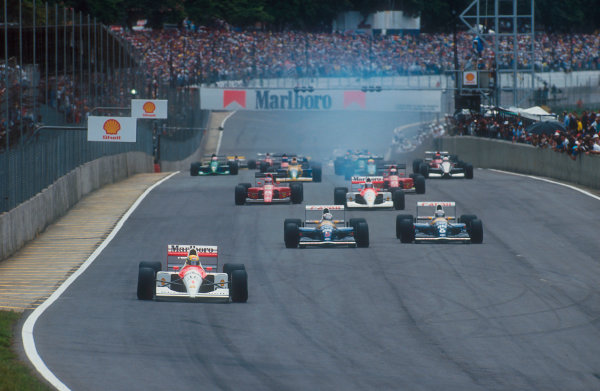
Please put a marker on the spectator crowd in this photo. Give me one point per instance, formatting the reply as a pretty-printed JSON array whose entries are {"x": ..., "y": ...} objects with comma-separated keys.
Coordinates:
[
  {"x": 187, "y": 55},
  {"x": 574, "y": 135}
]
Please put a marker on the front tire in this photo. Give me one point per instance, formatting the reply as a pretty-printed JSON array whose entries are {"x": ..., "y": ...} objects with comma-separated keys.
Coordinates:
[
  {"x": 476, "y": 231},
  {"x": 240, "y": 194},
  {"x": 233, "y": 168},
  {"x": 194, "y": 168},
  {"x": 406, "y": 229},
  {"x": 361, "y": 234},
  {"x": 424, "y": 170},
  {"x": 399, "y": 200},
  {"x": 416, "y": 166},
  {"x": 399, "y": 218},
  {"x": 297, "y": 193},
  {"x": 317, "y": 172},
  {"x": 339, "y": 195},
  {"x": 146, "y": 287},
  {"x": 469, "y": 171},
  {"x": 419, "y": 184},
  {"x": 291, "y": 235},
  {"x": 239, "y": 286}
]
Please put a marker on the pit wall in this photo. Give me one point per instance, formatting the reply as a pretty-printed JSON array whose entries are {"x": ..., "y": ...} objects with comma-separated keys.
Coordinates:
[
  {"x": 26, "y": 221},
  {"x": 508, "y": 156}
]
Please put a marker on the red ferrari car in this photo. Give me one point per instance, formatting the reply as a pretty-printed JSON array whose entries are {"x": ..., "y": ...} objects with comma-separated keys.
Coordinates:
[
  {"x": 394, "y": 177},
  {"x": 268, "y": 191}
]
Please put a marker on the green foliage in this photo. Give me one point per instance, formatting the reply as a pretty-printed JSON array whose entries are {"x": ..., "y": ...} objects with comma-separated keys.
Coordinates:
[{"x": 14, "y": 375}]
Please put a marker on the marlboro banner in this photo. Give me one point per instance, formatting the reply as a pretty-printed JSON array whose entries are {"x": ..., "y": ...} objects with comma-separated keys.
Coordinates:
[
  {"x": 149, "y": 108},
  {"x": 281, "y": 99},
  {"x": 112, "y": 129}
]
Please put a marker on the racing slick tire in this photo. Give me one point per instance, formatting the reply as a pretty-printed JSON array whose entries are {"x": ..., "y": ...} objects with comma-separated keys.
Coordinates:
[
  {"x": 405, "y": 229},
  {"x": 146, "y": 287},
  {"x": 339, "y": 195},
  {"x": 353, "y": 222},
  {"x": 264, "y": 166},
  {"x": 399, "y": 200},
  {"x": 394, "y": 190},
  {"x": 476, "y": 231},
  {"x": 291, "y": 235},
  {"x": 294, "y": 221},
  {"x": 252, "y": 164},
  {"x": 453, "y": 158},
  {"x": 297, "y": 193},
  {"x": 246, "y": 185},
  {"x": 154, "y": 265},
  {"x": 317, "y": 172},
  {"x": 466, "y": 220},
  {"x": 194, "y": 168},
  {"x": 419, "y": 184},
  {"x": 233, "y": 168},
  {"x": 240, "y": 194},
  {"x": 361, "y": 234},
  {"x": 468, "y": 171},
  {"x": 424, "y": 170},
  {"x": 417, "y": 166},
  {"x": 399, "y": 218},
  {"x": 238, "y": 290}
]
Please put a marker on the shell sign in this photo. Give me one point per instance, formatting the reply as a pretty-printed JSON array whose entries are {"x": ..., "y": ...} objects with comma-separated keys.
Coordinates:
[
  {"x": 149, "y": 108},
  {"x": 470, "y": 78},
  {"x": 112, "y": 129}
]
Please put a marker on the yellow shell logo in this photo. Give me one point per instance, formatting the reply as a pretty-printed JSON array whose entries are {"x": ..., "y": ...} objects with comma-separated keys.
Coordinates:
[
  {"x": 111, "y": 126},
  {"x": 149, "y": 107},
  {"x": 470, "y": 77}
]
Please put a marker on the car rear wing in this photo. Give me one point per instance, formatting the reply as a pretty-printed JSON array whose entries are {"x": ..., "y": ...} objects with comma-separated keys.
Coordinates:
[
  {"x": 363, "y": 179},
  {"x": 435, "y": 204},
  {"x": 434, "y": 152},
  {"x": 178, "y": 253},
  {"x": 399, "y": 166}
]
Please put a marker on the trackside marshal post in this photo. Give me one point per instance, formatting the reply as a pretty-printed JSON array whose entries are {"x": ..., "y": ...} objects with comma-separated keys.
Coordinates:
[{"x": 112, "y": 129}]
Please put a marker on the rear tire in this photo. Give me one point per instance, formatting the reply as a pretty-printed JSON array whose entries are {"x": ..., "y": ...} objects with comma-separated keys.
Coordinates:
[
  {"x": 298, "y": 222},
  {"x": 476, "y": 231},
  {"x": 240, "y": 194},
  {"x": 146, "y": 287},
  {"x": 297, "y": 193},
  {"x": 154, "y": 265},
  {"x": 353, "y": 222},
  {"x": 233, "y": 168},
  {"x": 361, "y": 234},
  {"x": 419, "y": 184},
  {"x": 399, "y": 200},
  {"x": 228, "y": 268},
  {"x": 239, "y": 286},
  {"x": 467, "y": 219},
  {"x": 339, "y": 195},
  {"x": 291, "y": 235}
]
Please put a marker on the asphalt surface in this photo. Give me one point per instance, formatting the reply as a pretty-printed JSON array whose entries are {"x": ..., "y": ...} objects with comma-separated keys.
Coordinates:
[{"x": 519, "y": 311}]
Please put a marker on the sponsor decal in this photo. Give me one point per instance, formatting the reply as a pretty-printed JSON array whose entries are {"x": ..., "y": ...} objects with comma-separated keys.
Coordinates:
[
  {"x": 470, "y": 78},
  {"x": 293, "y": 100},
  {"x": 234, "y": 96},
  {"x": 111, "y": 127},
  {"x": 357, "y": 97},
  {"x": 149, "y": 109}
]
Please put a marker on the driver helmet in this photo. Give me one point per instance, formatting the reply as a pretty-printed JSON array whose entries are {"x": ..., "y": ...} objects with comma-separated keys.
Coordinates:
[
  {"x": 438, "y": 154},
  {"x": 326, "y": 215},
  {"x": 439, "y": 212},
  {"x": 393, "y": 170},
  {"x": 268, "y": 179},
  {"x": 193, "y": 260},
  {"x": 370, "y": 161},
  {"x": 368, "y": 184},
  {"x": 294, "y": 160},
  {"x": 213, "y": 157},
  {"x": 446, "y": 159}
]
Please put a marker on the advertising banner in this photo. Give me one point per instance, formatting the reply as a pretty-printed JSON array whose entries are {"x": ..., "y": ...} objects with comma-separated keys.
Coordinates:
[
  {"x": 281, "y": 99},
  {"x": 470, "y": 78},
  {"x": 149, "y": 108},
  {"x": 112, "y": 129}
]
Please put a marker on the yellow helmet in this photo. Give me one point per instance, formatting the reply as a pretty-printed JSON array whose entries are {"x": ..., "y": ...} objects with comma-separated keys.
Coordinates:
[{"x": 193, "y": 260}]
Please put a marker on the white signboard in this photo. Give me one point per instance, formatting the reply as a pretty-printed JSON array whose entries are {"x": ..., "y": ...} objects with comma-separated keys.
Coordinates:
[
  {"x": 281, "y": 99},
  {"x": 112, "y": 129},
  {"x": 469, "y": 78},
  {"x": 149, "y": 108}
]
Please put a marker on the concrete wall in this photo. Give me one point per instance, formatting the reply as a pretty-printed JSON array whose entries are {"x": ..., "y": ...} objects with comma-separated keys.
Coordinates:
[
  {"x": 27, "y": 220},
  {"x": 521, "y": 158}
]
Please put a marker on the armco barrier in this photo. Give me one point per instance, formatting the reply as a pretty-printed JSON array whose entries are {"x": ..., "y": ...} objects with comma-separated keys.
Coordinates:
[
  {"x": 521, "y": 158},
  {"x": 23, "y": 223},
  {"x": 526, "y": 159}
]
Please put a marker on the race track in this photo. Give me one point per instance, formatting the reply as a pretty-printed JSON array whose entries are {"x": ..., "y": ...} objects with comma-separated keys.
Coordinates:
[{"x": 519, "y": 311}]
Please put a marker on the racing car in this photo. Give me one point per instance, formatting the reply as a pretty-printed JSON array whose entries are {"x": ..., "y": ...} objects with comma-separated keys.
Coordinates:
[
  {"x": 442, "y": 165},
  {"x": 298, "y": 170},
  {"x": 439, "y": 227},
  {"x": 394, "y": 178},
  {"x": 268, "y": 191},
  {"x": 361, "y": 165},
  {"x": 366, "y": 192},
  {"x": 326, "y": 231},
  {"x": 215, "y": 166},
  {"x": 191, "y": 275}
]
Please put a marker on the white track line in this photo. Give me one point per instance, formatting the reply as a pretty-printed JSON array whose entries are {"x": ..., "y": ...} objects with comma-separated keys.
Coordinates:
[
  {"x": 587, "y": 193},
  {"x": 27, "y": 332},
  {"x": 221, "y": 128}
]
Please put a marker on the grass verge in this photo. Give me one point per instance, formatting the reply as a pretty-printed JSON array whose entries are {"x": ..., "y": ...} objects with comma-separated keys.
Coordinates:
[{"x": 14, "y": 375}]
